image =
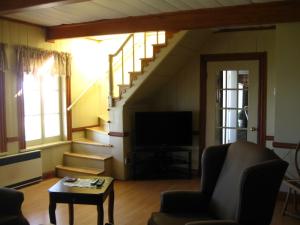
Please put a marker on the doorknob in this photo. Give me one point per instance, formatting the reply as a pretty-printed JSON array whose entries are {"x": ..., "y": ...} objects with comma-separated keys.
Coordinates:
[{"x": 253, "y": 129}]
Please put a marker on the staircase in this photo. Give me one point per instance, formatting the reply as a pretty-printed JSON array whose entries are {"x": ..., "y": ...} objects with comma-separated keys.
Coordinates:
[
  {"x": 132, "y": 67},
  {"x": 90, "y": 155}
]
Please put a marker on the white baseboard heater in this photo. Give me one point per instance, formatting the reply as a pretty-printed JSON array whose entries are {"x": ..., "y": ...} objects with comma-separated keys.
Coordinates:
[{"x": 20, "y": 169}]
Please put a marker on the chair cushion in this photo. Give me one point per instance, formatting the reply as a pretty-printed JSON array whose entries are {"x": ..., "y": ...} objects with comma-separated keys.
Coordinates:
[{"x": 159, "y": 218}]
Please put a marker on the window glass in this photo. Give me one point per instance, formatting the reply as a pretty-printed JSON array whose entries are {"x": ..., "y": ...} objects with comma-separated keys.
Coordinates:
[{"x": 42, "y": 105}]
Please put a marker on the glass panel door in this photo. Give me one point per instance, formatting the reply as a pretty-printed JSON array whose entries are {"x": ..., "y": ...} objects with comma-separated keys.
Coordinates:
[
  {"x": 232, "y": 105},
  {"x": 232, "y": 102}
]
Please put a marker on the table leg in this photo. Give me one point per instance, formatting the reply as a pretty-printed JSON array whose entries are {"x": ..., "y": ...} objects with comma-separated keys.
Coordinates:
[
  {"x": 100, "y": 214},
  {"x": 71, "y": 214},
  {"x": 111, "y": 206},
  {"x": 52, "y": 207}
]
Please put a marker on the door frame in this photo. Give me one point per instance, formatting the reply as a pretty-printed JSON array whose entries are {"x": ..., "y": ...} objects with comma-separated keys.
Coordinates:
[{"x": 261, "y": 57}]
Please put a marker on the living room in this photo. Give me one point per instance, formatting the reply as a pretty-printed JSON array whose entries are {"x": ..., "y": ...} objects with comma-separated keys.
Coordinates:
[{"x": 169, "y": 87}]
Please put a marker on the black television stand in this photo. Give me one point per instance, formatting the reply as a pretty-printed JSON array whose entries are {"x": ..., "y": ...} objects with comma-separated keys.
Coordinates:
[{"x": 161, "y": 162}]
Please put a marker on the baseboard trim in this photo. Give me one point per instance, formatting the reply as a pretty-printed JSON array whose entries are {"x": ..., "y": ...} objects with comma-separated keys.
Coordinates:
[
  {"x": 25, "y": 183},
  {"x": 48, "y": 175}
]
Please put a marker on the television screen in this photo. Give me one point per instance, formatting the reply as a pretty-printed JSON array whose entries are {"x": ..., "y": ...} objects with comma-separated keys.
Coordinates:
[{"x": 163, "y": 129}]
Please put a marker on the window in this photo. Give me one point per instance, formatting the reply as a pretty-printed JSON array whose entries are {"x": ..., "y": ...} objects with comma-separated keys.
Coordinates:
[
  {"x": 42, "y": 105},
  {"x": 43, "y": 94}
]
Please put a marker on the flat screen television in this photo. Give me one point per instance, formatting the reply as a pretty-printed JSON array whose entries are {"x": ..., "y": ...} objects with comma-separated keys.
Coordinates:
[{"x": 163, "y": 129}]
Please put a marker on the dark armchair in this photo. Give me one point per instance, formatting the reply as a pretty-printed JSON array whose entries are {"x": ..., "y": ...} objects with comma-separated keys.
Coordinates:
[
  {"x": 10, "y": 207},
  {"x": 239, "y": 186}
]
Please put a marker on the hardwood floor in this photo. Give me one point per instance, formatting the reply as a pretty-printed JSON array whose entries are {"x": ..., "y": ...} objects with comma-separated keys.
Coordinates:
[{"x": 134, "y": 202}]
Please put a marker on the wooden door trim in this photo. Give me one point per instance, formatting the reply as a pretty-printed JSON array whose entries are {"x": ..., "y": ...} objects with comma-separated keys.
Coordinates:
[{"x": 261, "y": 57}]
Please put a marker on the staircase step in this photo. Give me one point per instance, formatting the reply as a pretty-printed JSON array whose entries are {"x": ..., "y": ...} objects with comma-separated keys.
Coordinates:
[
  {"x": 134, "y": 76},
  {"x": 86, "y": 156},
  {"x": 123, "y": 88},
  {"x": 90, "y": 142},
  {"x": 145, "y": 62},
  {"x": 81, "y": 160},
  {"x": 97, "y": 134},
  {"x": 62, "y": 171},
  {"x": 170, "y": 34},
  {"x": 85, "y": 146},
  {"x": 103, "y": 124},
  {"x": 158, "y": 47}
]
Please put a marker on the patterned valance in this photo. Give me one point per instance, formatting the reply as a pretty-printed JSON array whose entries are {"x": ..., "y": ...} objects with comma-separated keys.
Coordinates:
[
  {"x": 31, "y": 59},
  {"x": 3, "y": 61}
]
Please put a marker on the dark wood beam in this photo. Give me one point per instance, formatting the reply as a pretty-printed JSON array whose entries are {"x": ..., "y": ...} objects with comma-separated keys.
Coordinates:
[
  {"x": 14, "y": 6},
  {"x": 243, "y": 15}
]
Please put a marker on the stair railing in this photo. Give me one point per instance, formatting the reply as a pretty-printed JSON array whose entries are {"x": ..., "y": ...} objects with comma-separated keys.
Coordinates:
[{"x": 120, "y": 53}]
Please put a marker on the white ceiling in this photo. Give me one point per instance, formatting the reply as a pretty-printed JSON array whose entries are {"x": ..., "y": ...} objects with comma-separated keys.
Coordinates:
[{"x": 94, "y": 10}]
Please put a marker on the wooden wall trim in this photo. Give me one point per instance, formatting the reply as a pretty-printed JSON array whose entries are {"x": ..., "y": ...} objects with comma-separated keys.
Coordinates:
[
  {"x": 204, "y": 59},
  {"x": 259, "y": 13},
  {"x": 12, "y": 139},
  {"x": 269, "y": 138},
  {"x": 77, "y": 129},
  {"x": 118, "y": 134},
  {"x": 284, "y": 145}
]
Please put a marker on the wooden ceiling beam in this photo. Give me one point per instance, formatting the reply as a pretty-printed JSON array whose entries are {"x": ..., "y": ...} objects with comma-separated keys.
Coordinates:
[
  {"x": 243, "y": 15},
  {"x": 15, "y": 6}
]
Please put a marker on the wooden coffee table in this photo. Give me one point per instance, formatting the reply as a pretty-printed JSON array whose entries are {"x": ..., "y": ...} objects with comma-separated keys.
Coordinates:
[{"x": 60, "y": 193}]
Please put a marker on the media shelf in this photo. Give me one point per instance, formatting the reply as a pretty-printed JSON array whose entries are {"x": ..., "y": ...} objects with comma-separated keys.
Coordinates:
[{"x": 161, "y": 163}]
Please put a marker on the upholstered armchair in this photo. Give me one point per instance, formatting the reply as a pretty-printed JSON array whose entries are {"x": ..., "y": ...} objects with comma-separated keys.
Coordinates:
[
  {"x": 239, "y": 186},
  {"x": 10, "y": 207}
]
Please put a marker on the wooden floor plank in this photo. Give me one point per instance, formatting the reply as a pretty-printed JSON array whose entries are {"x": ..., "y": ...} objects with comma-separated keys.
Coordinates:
[{"x": 134, "y": 202}]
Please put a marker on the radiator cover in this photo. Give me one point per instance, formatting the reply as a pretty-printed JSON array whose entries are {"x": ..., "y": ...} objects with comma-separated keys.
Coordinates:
[{"x": 21, "y": 169}]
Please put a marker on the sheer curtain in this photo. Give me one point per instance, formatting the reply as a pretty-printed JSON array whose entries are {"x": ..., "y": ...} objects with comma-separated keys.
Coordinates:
[
  {"x": 30, "y": 61},
  {"x": 3, "y": 64}
]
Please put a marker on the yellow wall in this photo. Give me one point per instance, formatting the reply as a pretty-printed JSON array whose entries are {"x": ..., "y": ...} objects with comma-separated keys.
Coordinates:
[{"x": 86, "y": 66}]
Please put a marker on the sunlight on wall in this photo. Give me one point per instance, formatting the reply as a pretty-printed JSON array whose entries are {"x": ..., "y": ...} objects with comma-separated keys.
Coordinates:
[{"x": 90, "y": 64}]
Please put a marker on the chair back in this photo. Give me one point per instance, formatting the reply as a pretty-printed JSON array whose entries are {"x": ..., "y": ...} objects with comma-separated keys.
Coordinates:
[{"x": 249, "y": 180}]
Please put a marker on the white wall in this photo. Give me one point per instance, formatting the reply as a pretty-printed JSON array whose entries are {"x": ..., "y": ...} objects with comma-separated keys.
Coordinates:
[{"x": 287, "y": 120}]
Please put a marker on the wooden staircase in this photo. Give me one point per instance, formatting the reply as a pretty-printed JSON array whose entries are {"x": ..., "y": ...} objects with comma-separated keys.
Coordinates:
[
  {"x": 90, "y": 155},
  {"x": 134, "y": 75}
]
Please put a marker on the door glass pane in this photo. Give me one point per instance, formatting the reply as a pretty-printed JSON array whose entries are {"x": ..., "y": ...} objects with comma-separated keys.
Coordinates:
[
  {"x": 231, "y": 118},
  {"x": 231, "y": 79},
  {"x": 231, "y": 99},
  {"x": 230, "y": 135}
]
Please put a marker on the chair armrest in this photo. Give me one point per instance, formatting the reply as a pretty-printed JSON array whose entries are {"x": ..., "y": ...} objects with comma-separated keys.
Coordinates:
[
  {"x": 183, "y": 201},
  {"x": 11, "y": 201},
  {"x": 213, "y": 222}
]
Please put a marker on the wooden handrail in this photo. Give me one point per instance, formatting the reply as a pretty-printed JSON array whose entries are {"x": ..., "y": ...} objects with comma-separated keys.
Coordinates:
[
  {"x": 131, "y": 37},
  {"x": 81, "y": 94},
  {"x": 123, "y": 45}
]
